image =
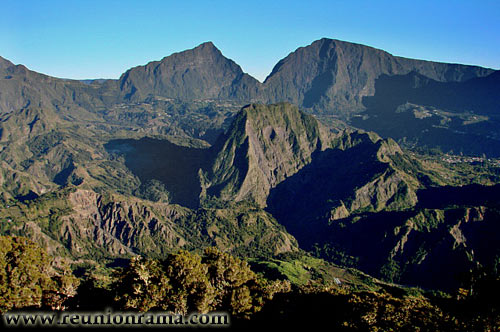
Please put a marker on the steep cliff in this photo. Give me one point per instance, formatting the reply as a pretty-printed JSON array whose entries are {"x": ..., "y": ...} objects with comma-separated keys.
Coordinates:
[
  {"x": 264, "y": 146},
  {"x": 333, "y": 76}
]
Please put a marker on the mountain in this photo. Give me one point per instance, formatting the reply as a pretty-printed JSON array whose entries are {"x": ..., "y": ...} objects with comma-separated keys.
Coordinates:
[
  {"x": 84, "y": 227},
  {"x": 21, "y": 88},
  {"x": 356, "y": 198},
  {"x": 4, "y": 63},
  {"x": 328, "y": 77},
  {"x": 350, "y": 82},
  {"x": 186, "y": 153},
  {"x": 344, "y": 84},
  {"x": 275, "y": 181},
  {"x": 332, "y": 76},
  {"x": 200, "y": 73},
  {"x": 425, "y": 246},
  {"x": 264, "y": 145},
  {"x": 455, "y": 116}
]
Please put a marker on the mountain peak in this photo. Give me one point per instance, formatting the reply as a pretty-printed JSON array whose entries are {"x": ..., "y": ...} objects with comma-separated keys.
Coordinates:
[
  {"x": 264, "y": 145},
  {"x": 334, "y": 76},
  {"x": 204, "y": 49},
  {"x": 4, "y": 63},
  {"x": 202, "y": 72},
  {"x": 207, "y": 46}
]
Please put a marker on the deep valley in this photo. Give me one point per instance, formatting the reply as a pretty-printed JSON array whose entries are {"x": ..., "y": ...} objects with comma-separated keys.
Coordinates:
[{"x": 341, "y": 171}]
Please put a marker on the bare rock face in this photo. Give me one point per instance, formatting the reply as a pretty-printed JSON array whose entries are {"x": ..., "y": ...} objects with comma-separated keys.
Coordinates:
[
  {"x": 82, "y": 225},
  {"x": 119, "y": 227},
  {"x": 4, "y": 63}
]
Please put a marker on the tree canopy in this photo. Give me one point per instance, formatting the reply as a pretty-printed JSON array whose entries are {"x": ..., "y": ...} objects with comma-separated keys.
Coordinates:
[
  {"x": 28, "y": 277},
  {"x": 186, "y": 282}
]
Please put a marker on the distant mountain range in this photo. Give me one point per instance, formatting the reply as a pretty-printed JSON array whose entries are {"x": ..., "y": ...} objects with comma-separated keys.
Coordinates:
[
  {"x": 190, "y": 151},
  {"x": 360, "y": 85}
]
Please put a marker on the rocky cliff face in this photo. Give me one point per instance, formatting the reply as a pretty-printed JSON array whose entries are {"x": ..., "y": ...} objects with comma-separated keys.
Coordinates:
[
  {"x": 200, "y": 73},
  {"x": 264, "y": 146},
  {"x": 333, "y": 76},
  {"x": 356, "y": 174},
  {"x": 430, "y": 248},
  {"x": 279, "y": 157},
  {"x": 83, "y": 225}
]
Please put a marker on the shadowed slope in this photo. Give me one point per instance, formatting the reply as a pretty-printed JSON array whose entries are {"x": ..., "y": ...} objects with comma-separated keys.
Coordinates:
[{"x": 173, "y": 165}]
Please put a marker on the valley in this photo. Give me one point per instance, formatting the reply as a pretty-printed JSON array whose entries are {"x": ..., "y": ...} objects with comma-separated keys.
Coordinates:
[{"x": 347, "y": 168}]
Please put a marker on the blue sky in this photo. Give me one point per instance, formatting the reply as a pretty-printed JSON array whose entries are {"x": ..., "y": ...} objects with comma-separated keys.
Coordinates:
[{"x": 102, "y": 39}]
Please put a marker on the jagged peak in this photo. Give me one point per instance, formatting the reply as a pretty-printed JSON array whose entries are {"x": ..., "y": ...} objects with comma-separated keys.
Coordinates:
[
  {"x": 316, "y": 47},
  {"x": 202, "y": 72},
  {"x": 205, "y": 49}
]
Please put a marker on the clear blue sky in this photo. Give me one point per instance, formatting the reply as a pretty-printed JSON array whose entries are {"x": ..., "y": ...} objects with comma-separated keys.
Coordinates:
[{"x": 101, "y": 39}]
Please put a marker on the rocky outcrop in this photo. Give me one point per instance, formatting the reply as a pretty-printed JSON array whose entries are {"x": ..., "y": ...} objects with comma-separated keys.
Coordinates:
[
  {"x": 429, "y": 248},
  {"x": 120, "y": 227},
  {"x": 82, "y": 225},
  {"x": 462, "y": 238}
]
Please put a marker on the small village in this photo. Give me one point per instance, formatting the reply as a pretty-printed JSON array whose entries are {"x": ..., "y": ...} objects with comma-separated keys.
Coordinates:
[{"x": 457, "y": 159}]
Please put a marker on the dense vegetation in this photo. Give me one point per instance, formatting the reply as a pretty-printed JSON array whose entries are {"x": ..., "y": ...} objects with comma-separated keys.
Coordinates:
[
  {"x": 129, "y": 185},
  {"x": 185, "y": 282},
  {"x": 350, "y": 197},
  {"x": 28, "y": 277}
]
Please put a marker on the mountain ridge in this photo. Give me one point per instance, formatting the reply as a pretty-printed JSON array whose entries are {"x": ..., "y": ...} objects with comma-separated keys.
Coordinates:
[
  {"x": 333, "y": 67},
  {"x": 330, "y": 74},
  {"x": 275, "y": 181},
  {"x": 268, "y": 165},
  {"x": 265, "y": 145},
  {"x": 4, "y": 63}
]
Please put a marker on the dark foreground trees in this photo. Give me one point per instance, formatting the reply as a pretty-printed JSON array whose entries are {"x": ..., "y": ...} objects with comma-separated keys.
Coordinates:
[
  {"x": 186, "y": 282},
  {"x": 29, "y": 278}
]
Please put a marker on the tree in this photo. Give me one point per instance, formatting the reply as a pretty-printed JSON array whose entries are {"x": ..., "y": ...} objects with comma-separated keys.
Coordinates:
[
  {"x": 28, "y": 277},
  {"x": 185, "y": 282},
  {"x": 178, "y": 284},
  {"x": 191, "y": 289},
  {"x": 143, "y": 285},
  {"x": 238, "y": 288}
]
